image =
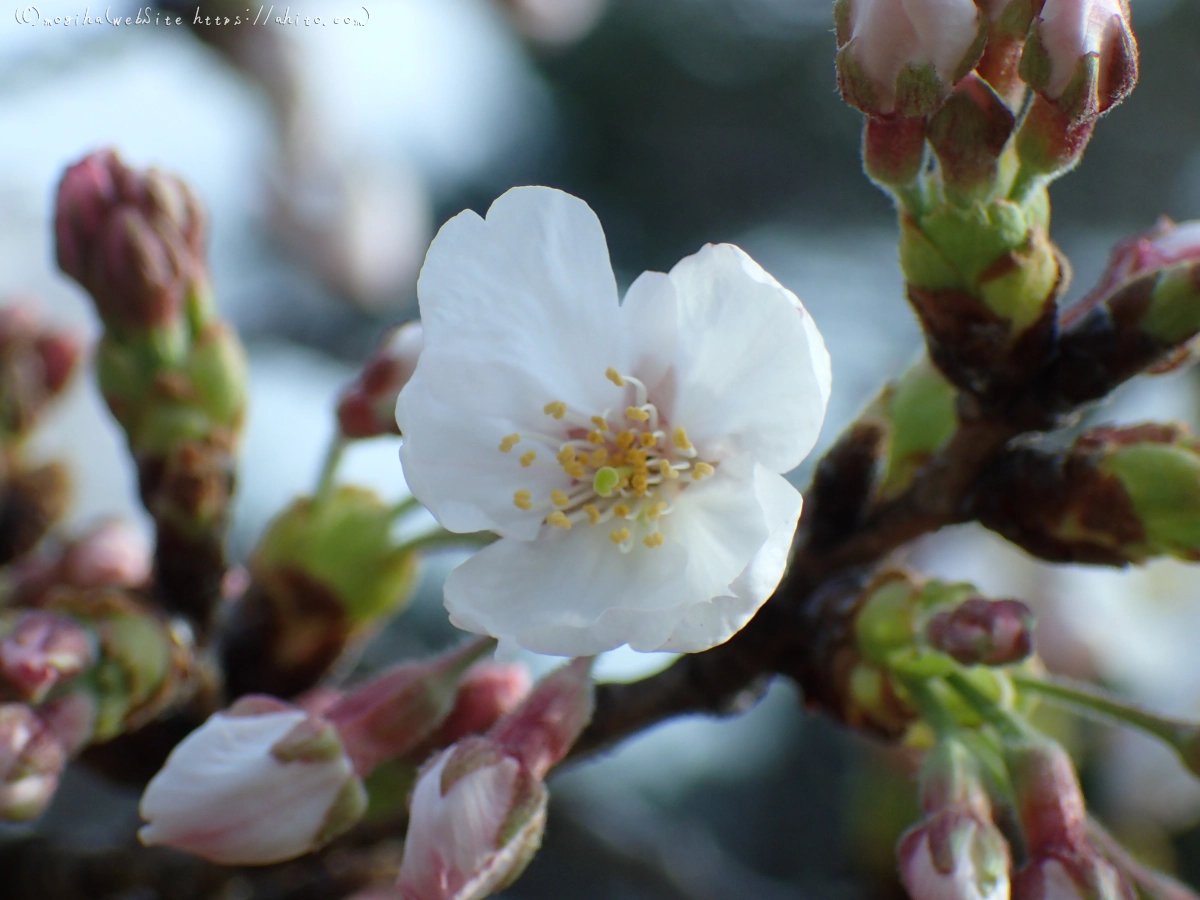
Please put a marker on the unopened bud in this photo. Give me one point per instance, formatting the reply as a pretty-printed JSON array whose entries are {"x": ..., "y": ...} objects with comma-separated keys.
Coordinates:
[
  {"x": 987, "y": 632},
  {"x": 1082, "y": 56},
  {"x": 43, "y": 649},
  {"x": 1049, "y": 801},
  {"x": 476, "y": 819},
  {"x": 396, "y": 712},
  {"x": 35, "y": 365},
  {"x": 954, "y": 855},
  {"x": 31, "y": 761},
  {"x": 545, "y": 726},
  {"x": 488, "y": 692},
  {"x": 112, "y": 554},
  {"x": 1071, "y": 875},
  {"x": 1050, "y": 143},
  {"x": 259, "y": 783},
  {"x": 969, "y": 134},
  {"x": 904, "y": 56},
  {"x": 133, "y": 239},
  {"x": 367, "y": 407}
]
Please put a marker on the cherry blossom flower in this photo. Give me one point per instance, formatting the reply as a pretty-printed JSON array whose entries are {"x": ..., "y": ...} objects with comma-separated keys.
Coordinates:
[{"x": 628, "y": 454}]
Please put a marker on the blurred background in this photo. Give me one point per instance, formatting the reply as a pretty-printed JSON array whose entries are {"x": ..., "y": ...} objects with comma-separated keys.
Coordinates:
[{"x": 328, "y": 154}]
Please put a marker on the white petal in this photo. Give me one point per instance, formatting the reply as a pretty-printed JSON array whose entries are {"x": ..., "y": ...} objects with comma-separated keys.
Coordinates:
[
  {"x": 520, "y": 309},
  {"x": 453, "y": 465},
  {"x": 706, "y": 624},
  {"x": 650, "y": 323},
  {"x": 753, "y": 372},
  {"x": 568, "y": 593},
  {"x": 221, "y": 794}
]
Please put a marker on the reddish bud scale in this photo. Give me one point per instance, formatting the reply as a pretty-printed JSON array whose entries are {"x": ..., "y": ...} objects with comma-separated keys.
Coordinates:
[
  {"x": 1049, "y": 800},
  {"x": 367, "y": 407},
  {"x": 893, "y": 150}
]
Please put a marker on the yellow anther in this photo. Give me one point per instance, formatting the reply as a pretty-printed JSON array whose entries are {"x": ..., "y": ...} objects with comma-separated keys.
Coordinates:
[
  {"x": 654, "y": 540},
  {"x": 680, "y": 439},
  {"x": 620, "y": 510},
  {"x": 702, "y": 470},
  {"x": 557, "y": 409},
  {"x": 614, "y": 376},
  {"x": 595, "y": 437},
  {"x": 528, "y": 458},
  {"x": 583, "y": 459},
  {"x": 558, "y": 520},
  {"x": 617, "y": 459},
  {"x": 575, "y": 470},
  {"x": 664, "y": 469},
  {"x": 559, "y": 498},
  {"x": 639, "y": 484},
  {"x": 657, "y": 510},
  {"x": 636, "y": 415},
  {"x": 523, "y": 499},
  {"x": 619, "y": 535},
  {"x": 566, "y": 455},
  {"x": 649, "y": 439},
  {"x": 625, "y": 439},
  {"x": 599, "y": 457},
  {"x": 509, "y": 442},
  {"x": 600, "y": 422},
  {"x": 636, "y": 457},
  {"x": 593, "y": 514}
]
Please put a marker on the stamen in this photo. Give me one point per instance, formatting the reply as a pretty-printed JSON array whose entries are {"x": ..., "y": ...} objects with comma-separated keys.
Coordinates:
[
  {"x": 619, "y": 535},
  {"x": 583, "y": 459},
  {"x": 509, "y": 442},
  {"x": 599, "y": 456},
  {"x": 556, "y": 409},
  {"x": 600, "y": 422},
  {"x": 621, "y": 510},
  {"x": 625, "y": 439},
  {"x": 702, "y": 470},
  {"x": 649, "y": 439},
  {"x": 528, "y": 458},
  {"x": 558, "y": 520},
  {"x": 635, "y": 414},
  {"x": 523, "y": 499},
  {"x": 559, "y": 498},
  {"x": 614, "y": 376},
  {"x": 664, "y": 469},
  {"x": 680, "y": 439},
  {"x": 593, "y": 514},
  {"x": 595, "y": 437},
  {"x": 575, "y": 470},
  {"x": 654, "y": 540},
  {"x": 657, "y": 510},
  {"x": 566, "y": 455}
]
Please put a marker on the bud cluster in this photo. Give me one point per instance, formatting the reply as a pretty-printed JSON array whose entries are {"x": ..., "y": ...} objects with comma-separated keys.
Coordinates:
[
  {"x": 909, "y": 631},
  {"x": 950, "y": 77}
]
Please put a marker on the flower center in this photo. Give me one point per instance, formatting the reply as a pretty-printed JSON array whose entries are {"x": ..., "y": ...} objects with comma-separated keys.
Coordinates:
[{"x": 625, "y": 467}]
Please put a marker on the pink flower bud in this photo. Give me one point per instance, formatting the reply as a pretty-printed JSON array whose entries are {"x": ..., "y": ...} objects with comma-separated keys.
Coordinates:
[
  {"x": 133, "y": 239},
  {"x": 42, "y": 650},
  {"x": 543, "y": 728},
  {"x": 904, "y": 56},
  {"x": 489, "y": 691},
  {"x": 954, "y": 855},
  {"x": 476, "y": 818},
  {"x": 1049, "y": 800},
  {"x": 112, "y": 554},
  {"x": 1082, "y": 56},
  {"x": 397, "y": 712},
  {"x": 1067, "y": 875},
  {"x": 31, "y": 761},
  {"x": 988, "y": 632},
  {"x": 1166, "y": 244},
  {"x": 259, "y": 783},
  {"x": 36, "y": 363},
  {"x": 367, "y": 407}
]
